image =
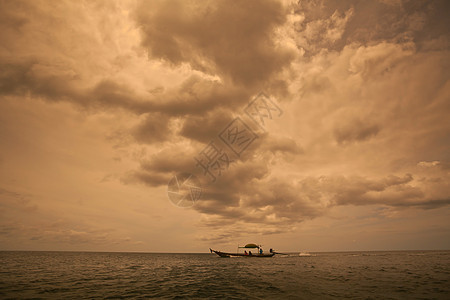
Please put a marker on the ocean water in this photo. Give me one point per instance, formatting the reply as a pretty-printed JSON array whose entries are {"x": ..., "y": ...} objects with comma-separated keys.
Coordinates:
[{"x": 350, "y": 275}]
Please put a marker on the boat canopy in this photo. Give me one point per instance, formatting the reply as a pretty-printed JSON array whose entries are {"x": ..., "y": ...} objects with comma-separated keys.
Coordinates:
[{"x": 250, "y": 246}]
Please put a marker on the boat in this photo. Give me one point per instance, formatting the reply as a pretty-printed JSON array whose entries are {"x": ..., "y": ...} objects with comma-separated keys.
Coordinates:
[{"x": 259, "y": 252}]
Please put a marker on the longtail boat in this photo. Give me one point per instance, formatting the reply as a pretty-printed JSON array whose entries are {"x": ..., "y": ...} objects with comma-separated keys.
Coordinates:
[{"x": 259, "y": 252}]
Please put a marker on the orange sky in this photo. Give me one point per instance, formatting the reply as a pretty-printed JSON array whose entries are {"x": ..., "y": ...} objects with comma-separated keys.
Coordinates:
[{"x": 103, "y": 102}]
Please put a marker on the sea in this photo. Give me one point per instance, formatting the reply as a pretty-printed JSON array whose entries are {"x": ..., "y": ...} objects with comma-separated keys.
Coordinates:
[{"x": 340, "y": 275}]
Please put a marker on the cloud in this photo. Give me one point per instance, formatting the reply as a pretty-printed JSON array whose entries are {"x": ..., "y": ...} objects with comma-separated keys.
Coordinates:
[
  {"x": 428, "y": 164},
  {"x": 91, "y": 66},
  {"x": 332, "y": 25},
  {"x": 356, "y": 130},
  {"x": 364, "y": 87},
  {"x": 14, "y": 201},
  {"x": 206, "y": 127},
  {"x": 62, "y": 233},
  {"x": 321, "y": 33},
  {"x": 193, "y": 97},
  {"x": 197, "y": 96},
  {"x": 157, "y": 169},
  {"x": 233, "y": 40},
  {"x": 154, "y": 128},
  {"x": 361, "y": 94},
  {"x": 280, "y": 144},
  {"x": 285, "y": 202},
  {"x": 377, "y": 60},
  {"x": 147, "y": 178}
]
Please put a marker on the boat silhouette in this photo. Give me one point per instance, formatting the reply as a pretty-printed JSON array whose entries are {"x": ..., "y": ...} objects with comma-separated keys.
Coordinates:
[{"x": 259, "y": 252}]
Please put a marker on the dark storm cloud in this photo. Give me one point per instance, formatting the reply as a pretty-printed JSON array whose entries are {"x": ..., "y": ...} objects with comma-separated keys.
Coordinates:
[
  {"x": 334, "y": 24},
  {"x": 353, "y": 50},
  {"x": 232, "y": 39},
  {"x": 58, "y": 63},
  {"x": 29, "y": 76},
  {"x": 193, "y": 96},
  {"x": 418, "y": 21},
  {"x": 391, "y": 191},
  {"x": 204, "y": 128},
  {"x": 25, "y": 77},
  {"x": 284, "y": 201},
  {"x": 192, "y": 100},
  {"x": 150, "y": 179},
  {"x": 154, "y": 128},
  {"x": 280, "y": 144},
  {"x": 197, "y": 96},
  {"x": 354, "y": 131},
  {"x": 157, "y": 169},
  {"x": 254, "y": 164},
  {"x": 363, "y": 191},
  {"x": 432, "y": 204},
  {"x": 169, "y": 160}
]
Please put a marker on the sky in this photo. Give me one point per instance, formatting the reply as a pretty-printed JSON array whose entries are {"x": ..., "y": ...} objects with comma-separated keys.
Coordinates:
[{"x": 307, "y": 126}]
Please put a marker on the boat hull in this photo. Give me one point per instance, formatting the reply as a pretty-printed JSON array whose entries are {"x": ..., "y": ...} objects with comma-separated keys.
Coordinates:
[{"x": 226, "y": 254}]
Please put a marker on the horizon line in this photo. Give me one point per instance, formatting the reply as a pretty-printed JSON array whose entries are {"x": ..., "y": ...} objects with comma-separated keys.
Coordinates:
[{"x": 207, "y": 252}]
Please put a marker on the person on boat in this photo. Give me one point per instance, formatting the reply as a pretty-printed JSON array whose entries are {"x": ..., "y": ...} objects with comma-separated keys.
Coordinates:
[
  {"x": 271, "y": 250},
  {"x": 245, "y": 252},
  {"x": 260, "y": 251},
  {"x": 249, "y": 252}
]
